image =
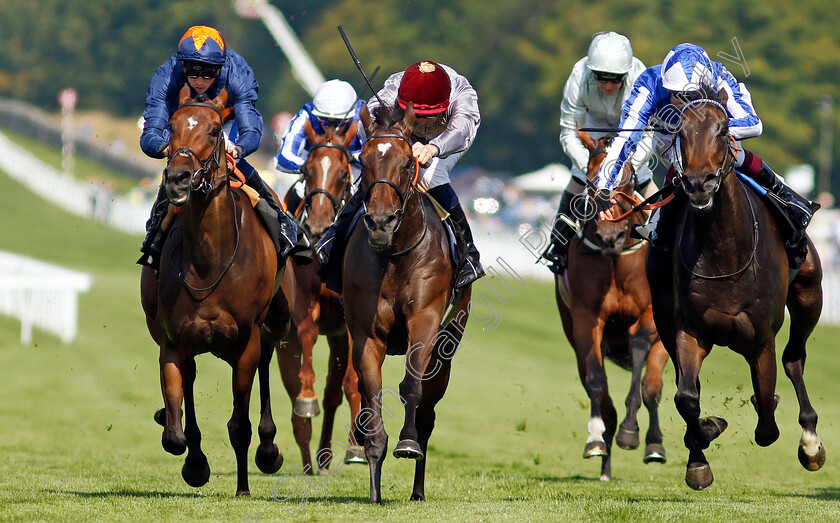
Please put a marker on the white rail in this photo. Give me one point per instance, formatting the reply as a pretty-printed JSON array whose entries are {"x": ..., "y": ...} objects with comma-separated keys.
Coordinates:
[{"x": 41, "y": 295}]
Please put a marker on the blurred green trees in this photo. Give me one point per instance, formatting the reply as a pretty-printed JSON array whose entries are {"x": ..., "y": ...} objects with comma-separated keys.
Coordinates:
[{"x": 517, "y": 55}]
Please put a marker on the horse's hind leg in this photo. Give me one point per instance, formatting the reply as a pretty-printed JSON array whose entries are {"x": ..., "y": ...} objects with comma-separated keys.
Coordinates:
[
  {"x": 804, "y": 304},
  {"x": 628, "y": 432},
  {"x": 306, "y": 402},
  {"x": 350, "y": 384},
  {"x": 651, "y": 395},
  {"x": 368, "y": 355},
  {"x": 239, "y": 426},
  {"x": 196, "y": 470},
  {"x": 268, "y": 458}
]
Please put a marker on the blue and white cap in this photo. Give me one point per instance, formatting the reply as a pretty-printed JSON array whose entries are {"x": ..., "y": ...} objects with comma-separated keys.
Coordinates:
[{"x": 686, "y": 67}]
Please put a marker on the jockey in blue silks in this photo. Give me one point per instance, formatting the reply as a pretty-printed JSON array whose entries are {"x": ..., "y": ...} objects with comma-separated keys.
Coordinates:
[
  {"x": 335, "y": 105},
  {"x": 204, "y": 62},
  {"x": 686, "y": 68}
]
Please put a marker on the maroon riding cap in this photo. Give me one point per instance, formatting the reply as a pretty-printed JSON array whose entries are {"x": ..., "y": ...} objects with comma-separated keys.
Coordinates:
[{"x": 426, "y": 85}]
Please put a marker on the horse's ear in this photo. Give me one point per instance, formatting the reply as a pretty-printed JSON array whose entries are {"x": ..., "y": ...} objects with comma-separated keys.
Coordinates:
[
  {"x": 587, "y": 140},
  {"x": 310, "y": 133},
  {"x": 350, "y": 133},
  {"x": 221, "y": 99},
  {"x": 367, "y": 121},
  {"x": 185, "y": 95},
  {"x": 723, "y": 97},
  {"x": 409, "y": 117}
]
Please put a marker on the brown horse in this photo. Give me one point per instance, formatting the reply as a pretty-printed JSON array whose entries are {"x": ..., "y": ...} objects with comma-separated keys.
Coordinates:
[
  {"x": 398, "y": 281},
  {"x": 217, "y": 278},
  {"x": 318, "y": 310},
  {"x": 604, "y": 302},
  {"x": 725, "y": 280}
]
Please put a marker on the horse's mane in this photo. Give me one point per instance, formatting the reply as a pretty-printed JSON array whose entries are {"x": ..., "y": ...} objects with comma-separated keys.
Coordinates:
[
  {"x": 387, "y": 116},
  {"x": 706, "y": 91}
]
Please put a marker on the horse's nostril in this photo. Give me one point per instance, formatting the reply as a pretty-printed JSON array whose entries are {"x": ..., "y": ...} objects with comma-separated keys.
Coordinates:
[
  {"x": 370, "y": 223},
  {"x": 392, "y": 218}
]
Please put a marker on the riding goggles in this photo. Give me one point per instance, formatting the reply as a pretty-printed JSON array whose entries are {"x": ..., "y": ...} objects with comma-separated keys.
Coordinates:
[
  {"x": 613, "y": 78},
  {"x": 194, "y": 70}
]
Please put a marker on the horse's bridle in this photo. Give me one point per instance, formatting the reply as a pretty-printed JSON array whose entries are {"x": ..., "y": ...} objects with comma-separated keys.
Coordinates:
[
  {"x": 206, "y": 187},
  {"x": 403, "y": 196},
  {"x": 336, "y": 203},
  {"x": 720, "y": 174},
  {"x": 206, "y": 165}
]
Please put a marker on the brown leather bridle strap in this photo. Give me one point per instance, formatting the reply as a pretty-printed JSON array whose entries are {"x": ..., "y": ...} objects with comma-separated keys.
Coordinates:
[{"x": 645, "y": 205}]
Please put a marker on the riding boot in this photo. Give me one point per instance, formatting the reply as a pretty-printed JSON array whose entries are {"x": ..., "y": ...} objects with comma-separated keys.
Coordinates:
[
  {"x": 469, "y": 266},
  {"x": 338, "y": 230},
  {"x": 284, "y": 233},
  {"x": 799, "y": 209},
  {"x": 557, "y": 252},
  {"x": 152, "y": 245}
]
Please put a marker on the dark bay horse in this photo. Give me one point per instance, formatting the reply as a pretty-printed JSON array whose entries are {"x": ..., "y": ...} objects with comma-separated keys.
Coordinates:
[
  {"x": 215, "y": 284},
  {"x": 725, "y": 280},
  {"x": 326, "y": 176},
  {"x": 604, "y": 302},
  {"x": 398, "y": 281}
]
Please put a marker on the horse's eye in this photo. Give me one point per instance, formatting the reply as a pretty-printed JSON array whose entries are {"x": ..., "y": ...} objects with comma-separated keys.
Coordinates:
[{"x": 215, "y": 132}]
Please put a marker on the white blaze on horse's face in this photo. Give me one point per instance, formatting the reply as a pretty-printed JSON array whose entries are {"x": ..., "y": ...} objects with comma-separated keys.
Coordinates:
[
  {"x": 383, "y": 148},
  {"x": 325, "y": 168},
  {"x": 192, "y": 121}
]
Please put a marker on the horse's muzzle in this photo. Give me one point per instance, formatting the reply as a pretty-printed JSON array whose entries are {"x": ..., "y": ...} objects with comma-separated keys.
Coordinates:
[
  {"x": 700, "y": 189},
  {"x": 381, "y": 230},
  {"x": 177, "y": 185}
]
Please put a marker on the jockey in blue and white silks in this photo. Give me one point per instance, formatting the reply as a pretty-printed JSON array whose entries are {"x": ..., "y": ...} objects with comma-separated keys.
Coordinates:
[
  {"x": 332, "y": 105},
  {"x": 687, "y": 68}
]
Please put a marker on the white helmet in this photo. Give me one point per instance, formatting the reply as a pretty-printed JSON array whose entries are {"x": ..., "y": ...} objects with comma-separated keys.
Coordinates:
[
  {"x": 610, "y": 52},
  {"x": 334, "y": 99}
]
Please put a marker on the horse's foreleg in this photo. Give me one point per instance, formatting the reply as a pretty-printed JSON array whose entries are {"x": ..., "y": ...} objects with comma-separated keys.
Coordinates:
[
  {"x": 339, "y": 352},
  {"x": 805, "y": 304},
  {"x": 269, "y": 459},
  {"x": 350, "y": 384},
  {"x": 368, "y": 355},
  {"x": 196, "y": 471},
  {"x": 628, "y": 431},
  {"x": 763, "y": 371},
  {"x": 172, "y": 363},
  {"x": 699, "y": 432},
  {"x": 288, "y": 358},
  {"x": 602, "y": 416},
  {"x": 239, "y": 426},
  {"x": 651, "y": 395},
  {"x": 306, "y": 402},
  {"x": 422, "y": 328}
]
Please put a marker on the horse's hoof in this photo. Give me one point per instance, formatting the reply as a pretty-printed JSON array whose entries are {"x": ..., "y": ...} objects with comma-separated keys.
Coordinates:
[
  {"x": 654, "y": 453},
  {"x": 160, "y": 417},
  {"x": 243, "y": 493},
  {"x": 716, "y": 424},
  {"x": 417, "y": 497},
  {"x": 307, "y": 407},
  {"x": 196, "y": 474},
  {"x": 174, "y": 444},
  {"x": 605, "y": 477},
  {"x": 754, "y": 401},
  {"x": 811, "y": 451},
  {"x": 627, "y": 439},
  {"x": 355, "y": 455},
  {"x": 699, "y": 478},
  {"x": 268, "y": 461},
  {"x": 409, "y": 449},
  {"x": 595, "y": 448}
]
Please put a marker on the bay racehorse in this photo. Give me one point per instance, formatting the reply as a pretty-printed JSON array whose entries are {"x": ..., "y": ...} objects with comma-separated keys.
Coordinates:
[
  {"x": 398, "y": 281},
  {"x": 604, "y": 302},
  {"x": 725, "y": 280},
  {"x": 217, "y": 278},
  {"x": 326, "y": 177}
]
